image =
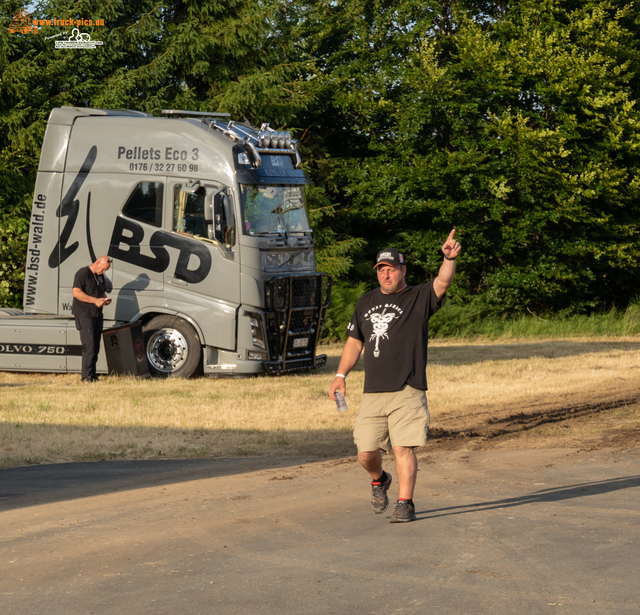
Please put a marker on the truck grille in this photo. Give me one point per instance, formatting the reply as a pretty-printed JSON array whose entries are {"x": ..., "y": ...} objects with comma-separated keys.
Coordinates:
[{"x": 296, "y": 307}]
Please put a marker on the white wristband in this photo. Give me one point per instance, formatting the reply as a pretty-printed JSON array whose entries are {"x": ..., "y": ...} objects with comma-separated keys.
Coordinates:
[{"x": 341, "y": 376}]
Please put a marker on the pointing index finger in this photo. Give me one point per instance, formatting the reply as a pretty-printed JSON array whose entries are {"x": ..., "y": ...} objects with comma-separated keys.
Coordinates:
[{"x": 451, "y": 235}]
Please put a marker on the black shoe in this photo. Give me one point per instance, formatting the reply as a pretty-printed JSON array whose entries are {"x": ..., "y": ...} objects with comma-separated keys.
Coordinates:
[
  {"x": 87, "y": 380},
  {"x": 379, "y": 499},
  {"x": 403, "y": 512}
]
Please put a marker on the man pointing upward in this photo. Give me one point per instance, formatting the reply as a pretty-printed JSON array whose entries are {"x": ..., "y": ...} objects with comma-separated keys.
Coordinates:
[{"x": 391, "y": 323}]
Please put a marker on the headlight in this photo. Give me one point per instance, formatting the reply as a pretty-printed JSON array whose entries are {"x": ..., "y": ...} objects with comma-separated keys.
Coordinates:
[
  {"x": 257, "y": 333},
  {"x": 265, "y": 138}
]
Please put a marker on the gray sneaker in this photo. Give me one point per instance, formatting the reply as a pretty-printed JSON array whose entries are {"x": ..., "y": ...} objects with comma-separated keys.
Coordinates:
[
  {"x": 379, "y": 498},
  {"x": 403, "y": 512}
]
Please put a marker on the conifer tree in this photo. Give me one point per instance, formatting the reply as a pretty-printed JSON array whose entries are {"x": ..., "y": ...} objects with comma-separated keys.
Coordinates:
[
  {"x": 198, "y": 55},
  {"x": 516, "y": 123}
]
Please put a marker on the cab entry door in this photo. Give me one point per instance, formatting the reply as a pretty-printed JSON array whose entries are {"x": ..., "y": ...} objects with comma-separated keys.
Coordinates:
[{"x": 202, "y": 280}]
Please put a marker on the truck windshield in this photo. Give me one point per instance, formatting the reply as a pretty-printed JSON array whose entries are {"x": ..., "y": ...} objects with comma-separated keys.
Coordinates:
[{"x": 269, "y": 209}]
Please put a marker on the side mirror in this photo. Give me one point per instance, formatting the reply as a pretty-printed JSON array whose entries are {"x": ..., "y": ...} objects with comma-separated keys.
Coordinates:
[
  {"x": 230, "y": 238},
  {"x": 223, "y": 219}
]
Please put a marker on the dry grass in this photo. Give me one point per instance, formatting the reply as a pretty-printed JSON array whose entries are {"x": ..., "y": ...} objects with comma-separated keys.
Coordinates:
[
  {"x": 53, "y": 418},
  {"x": 530, "y": 382}
]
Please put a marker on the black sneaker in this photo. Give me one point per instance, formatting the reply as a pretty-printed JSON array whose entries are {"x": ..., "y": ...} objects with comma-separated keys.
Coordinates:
[
  {"x": 403, "y": 512},
  {"x": 379, "y": 499}
]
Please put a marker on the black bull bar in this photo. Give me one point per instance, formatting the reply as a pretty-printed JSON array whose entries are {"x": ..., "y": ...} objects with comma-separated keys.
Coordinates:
[{"x": 296, "y": 306}]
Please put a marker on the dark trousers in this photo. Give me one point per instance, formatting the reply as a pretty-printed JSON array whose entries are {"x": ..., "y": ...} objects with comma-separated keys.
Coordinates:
[{"x": 90, "y": 333}]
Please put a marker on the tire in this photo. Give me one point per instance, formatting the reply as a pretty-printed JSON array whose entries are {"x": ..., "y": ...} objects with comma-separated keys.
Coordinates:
[{"x": 173, "y": 347}]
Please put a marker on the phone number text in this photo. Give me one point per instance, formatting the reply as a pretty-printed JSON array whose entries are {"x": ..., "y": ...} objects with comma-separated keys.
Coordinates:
[{"x": 163, "y": 167}]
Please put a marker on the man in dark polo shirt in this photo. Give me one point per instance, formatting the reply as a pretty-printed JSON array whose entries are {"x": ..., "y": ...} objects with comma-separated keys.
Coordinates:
[
  {"x": 89, "y": 297},
  {"x": 391, "y": 324}
]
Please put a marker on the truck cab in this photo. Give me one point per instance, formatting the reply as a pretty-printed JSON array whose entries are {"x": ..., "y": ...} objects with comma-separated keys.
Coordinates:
[{"x": 206, "y": 222}]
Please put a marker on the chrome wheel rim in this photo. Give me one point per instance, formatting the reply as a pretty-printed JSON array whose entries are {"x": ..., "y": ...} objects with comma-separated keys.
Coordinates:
[{"x": 167, "y": 350}]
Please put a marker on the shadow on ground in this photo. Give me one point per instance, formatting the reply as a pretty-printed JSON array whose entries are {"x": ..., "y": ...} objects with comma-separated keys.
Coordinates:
[
  {"x": 557, "y": 494},
  {"x": 44, "y": 484}
]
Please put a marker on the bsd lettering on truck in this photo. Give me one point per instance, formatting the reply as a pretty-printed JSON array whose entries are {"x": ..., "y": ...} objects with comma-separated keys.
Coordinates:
[{"x": 128, "y": 233}]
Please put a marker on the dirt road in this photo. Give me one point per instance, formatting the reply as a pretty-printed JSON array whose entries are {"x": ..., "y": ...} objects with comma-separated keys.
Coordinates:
[{"x": 532, "y": 531}]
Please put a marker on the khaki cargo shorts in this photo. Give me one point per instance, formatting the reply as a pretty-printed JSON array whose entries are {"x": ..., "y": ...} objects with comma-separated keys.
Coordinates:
[{"x": 400, "y": 418}]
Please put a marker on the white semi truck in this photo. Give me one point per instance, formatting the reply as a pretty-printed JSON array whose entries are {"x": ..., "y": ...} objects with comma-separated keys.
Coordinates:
[{"x": 205, "y": 220}]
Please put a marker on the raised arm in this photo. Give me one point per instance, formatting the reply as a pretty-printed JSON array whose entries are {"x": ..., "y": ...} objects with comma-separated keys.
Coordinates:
[{"x": 451, "y": 248}]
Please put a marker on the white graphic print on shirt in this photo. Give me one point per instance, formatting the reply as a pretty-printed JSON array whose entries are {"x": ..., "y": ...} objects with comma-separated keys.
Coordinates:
[{"x": 380, "y": 322}]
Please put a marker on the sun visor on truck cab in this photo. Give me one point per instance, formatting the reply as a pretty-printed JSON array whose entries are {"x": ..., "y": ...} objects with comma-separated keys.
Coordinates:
[{"x": 274, "y": 169}]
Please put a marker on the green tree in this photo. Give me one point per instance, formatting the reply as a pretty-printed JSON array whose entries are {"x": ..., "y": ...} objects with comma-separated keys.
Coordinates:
[
  {"x": 537, "y": 149},
  {"x": 352, "y": 52},
  {"x": 517, "y": 124}
]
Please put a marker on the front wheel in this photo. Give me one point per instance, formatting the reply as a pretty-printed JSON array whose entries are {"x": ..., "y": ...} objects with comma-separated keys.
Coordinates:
[{"x": 173, "y": 347}]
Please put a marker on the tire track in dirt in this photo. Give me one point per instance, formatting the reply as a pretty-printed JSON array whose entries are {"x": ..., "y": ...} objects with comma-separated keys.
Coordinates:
[{"x": 494, "y": 427}]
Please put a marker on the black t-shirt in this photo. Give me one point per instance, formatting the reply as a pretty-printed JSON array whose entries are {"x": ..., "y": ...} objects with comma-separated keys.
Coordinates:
[
  {"x": 395, "y": 332},
  {"x": 92, "y": 285}
]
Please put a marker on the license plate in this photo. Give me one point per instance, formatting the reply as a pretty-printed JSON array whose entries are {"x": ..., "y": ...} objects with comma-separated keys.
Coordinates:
[{"x": 301, "y": 342}]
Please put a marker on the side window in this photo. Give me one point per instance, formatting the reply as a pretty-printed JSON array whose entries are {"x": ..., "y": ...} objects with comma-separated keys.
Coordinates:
[
  {"x": 145, "y": 203},
  {"x": 188, "y": 212}
]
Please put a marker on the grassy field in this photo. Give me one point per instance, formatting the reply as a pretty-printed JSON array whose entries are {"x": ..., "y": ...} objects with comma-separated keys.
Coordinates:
[{"x": 481, "y": 394}]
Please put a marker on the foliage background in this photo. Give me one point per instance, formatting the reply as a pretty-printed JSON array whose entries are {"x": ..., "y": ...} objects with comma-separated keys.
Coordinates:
[{"x": 515, "y": 123}]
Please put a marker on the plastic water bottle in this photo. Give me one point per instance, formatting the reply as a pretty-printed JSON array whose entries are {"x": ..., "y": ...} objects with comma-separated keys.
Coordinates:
[{"x": 341, "y": 403}]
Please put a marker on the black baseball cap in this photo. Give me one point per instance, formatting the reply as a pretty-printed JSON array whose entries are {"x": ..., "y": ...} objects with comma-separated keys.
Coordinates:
[{"x": 389, "y": 256}]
